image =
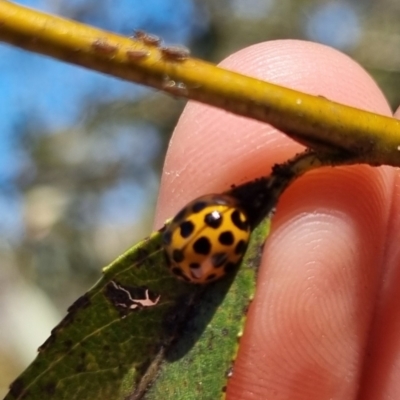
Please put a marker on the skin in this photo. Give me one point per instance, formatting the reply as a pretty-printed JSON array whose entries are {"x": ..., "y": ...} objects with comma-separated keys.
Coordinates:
[{"x": 325, "y": 322}]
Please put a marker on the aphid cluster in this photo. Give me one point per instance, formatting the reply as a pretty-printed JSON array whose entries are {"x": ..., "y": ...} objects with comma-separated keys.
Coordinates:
[{"x": 171, "y": 53}]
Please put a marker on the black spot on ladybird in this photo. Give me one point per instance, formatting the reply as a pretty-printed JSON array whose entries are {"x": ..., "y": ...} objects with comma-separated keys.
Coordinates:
[
  {"x": 202, "y": 246},
  {"x": 213, "y": 219},
  {"x": 226, "y": 238},
  {"x": 239, "y": 223},
  {"x": 187, "y": 229},
  {"x": 240, "y": 247},
  {"x": 178, "y": 255},
  {"x": 219, "y": 259},
  {"x": 198, "y": 206},
  {"x": 167, "y": 238}
]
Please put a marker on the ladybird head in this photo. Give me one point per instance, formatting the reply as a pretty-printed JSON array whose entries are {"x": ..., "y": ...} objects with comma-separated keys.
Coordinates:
[{"x": 206, "y": 239}]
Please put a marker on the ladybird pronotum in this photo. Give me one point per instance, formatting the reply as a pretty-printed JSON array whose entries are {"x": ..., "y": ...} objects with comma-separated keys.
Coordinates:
[{"x": 206, "y": 239}]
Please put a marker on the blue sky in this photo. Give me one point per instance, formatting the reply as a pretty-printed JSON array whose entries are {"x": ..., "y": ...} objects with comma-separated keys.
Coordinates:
[{"x": 54, "y": 93}]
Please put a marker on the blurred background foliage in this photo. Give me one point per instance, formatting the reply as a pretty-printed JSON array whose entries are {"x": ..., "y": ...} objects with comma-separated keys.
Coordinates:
[{"x": 81, "y": 153}]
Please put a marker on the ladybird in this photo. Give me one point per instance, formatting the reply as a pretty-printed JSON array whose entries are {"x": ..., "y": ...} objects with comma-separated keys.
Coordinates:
[{"x": 207, "y": 238}]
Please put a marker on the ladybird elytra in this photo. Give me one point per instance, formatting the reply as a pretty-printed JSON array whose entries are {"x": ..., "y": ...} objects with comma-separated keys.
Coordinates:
[{"x": 206, "y": 239}]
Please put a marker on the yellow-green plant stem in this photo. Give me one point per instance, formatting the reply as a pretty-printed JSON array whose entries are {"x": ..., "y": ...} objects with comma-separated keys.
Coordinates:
[{"x": 314, "y": 121}]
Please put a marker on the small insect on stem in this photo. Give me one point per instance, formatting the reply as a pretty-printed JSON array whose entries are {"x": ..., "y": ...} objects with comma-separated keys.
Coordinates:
[
  {"x": 147, "y": 38},
  {"x": 175, "y": 53},
  {"x": 103, "y": 47},
  {"x": 135, "y": 55}
]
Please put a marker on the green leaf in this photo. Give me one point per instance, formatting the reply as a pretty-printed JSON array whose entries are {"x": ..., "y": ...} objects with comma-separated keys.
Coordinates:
[
  {"x": 198, "y": 366},
  {"x": 141, "y": 332}
]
